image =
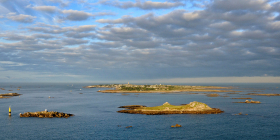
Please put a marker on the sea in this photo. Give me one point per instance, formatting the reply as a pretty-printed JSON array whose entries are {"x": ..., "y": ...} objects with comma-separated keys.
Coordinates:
[{"x": 96, "y": 115}]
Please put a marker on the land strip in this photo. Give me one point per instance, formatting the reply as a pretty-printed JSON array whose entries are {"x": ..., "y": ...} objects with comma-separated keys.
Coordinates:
[{"x": 129, "y": 88}]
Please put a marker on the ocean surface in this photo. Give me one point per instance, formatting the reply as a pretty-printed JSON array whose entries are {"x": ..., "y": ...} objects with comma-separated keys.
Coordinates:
[{"x": 96, "y": 116}]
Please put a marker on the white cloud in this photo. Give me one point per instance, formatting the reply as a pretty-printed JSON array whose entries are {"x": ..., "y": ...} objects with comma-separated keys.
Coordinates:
[
  {"x": 10, "y": 63},
  {"x": 146, "y": 5},
  {"x": 48, "y": 9},
  {"x": 21, "y": 17},
  {"x": 76, "y": 15}
]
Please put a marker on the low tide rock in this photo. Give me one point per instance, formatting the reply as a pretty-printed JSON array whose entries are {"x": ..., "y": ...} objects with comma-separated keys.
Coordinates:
[
  {"x": 249, "y": 102},
  {"x": 177, "y": 125},
  {"x": 45, "y": 114}
]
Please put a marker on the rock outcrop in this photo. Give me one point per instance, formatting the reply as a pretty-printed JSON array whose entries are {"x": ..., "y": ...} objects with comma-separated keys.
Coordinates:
[
  {"x": 46, "y": 114},
  {"x": 213, "y": 95},
  {"x": 177, "y": 125},
  {"x": 241, "y": 98},
  {"x": 8, "y": 95},
  {"x": 250, "y": 102},
  {"x": 132, "y": 106},
  {"x": 255, "y": 102}
]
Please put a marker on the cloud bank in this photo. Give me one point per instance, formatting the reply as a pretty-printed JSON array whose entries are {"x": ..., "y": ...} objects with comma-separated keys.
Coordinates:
[{"x": 144, "y": 40}]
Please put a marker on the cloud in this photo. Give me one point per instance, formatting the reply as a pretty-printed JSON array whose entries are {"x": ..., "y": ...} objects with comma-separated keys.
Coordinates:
[
  {"x": 217, "y": 40},
  {"x": 228, "y": 5},
  {"x": 75, "y": 15},
  {"x": 63, "y": 3},
  {"x": 72, "y": 15},
  {"x": 73, "y": 41},
  {"x": 21, "y": 18},
  {"x": 45, "y": 28},
  {"x": 10, "y": 63},
  {"x": 47, "y": 9},
  {"x": 146, "y": 5},
  {"x": 82, "y": 28},
  {"x": 80, "y": 35}
]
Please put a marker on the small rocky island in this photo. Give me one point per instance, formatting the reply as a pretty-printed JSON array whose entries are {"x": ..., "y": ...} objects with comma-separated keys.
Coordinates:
[
  {"x": 191, "y": 108},
  {"x": 9, "y": 95},
  {"x": 130, "y": 88},
  {"x": 250, "y": 102},
  {"x": 46, "y": 114}
]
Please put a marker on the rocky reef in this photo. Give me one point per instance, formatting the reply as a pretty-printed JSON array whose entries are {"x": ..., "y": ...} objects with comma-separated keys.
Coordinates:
[
  {"x": 9, "y": 95},
  {"x": 241, "y": 98},
  {"x": 191, "y": 108},
  {"x": 132, "y": 106},
  {"x": 213, "y": 95},
  {"x": 268, "y": 94},
  {"x": 46, "y": 114},
  {"x": 250, "y": 102},
  {"x": 177, "y": 125}
]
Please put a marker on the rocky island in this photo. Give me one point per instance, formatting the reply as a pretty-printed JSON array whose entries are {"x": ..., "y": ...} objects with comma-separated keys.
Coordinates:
[
  {"x": 46, "y": 114},
  {"x": 9, "y": 95},
  {"x": 130, "y": 88},
  {"x": 249, "y": 102},
  {"x": 191, "y": 108}
]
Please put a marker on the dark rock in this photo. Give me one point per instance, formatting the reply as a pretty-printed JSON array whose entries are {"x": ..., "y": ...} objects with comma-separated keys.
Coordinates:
[
  {"x": 132, "y": 106},
  {"x": 249, "y": 102},
  {"x": 213, "y": 95},
  {"x": 45, "y": 114},
  {"x": 177, "y": 125},
  {"x": 241, "y": 98},
  {"x": 10, "y": 94}
]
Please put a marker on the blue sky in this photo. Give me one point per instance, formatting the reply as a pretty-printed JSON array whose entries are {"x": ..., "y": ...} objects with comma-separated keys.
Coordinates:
[{"x": 159, "y": 41}]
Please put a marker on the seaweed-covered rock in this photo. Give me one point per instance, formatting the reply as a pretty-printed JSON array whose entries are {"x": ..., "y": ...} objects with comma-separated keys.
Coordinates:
[
  {"x": 213, "y": 95},
  {"x": 10, "y": 94},
  {"x": 132, "y": 106},
  {"x": 249, "y": 102},
  {"x": 45, "y": 114},
  {"x": 177, "y": 125}
]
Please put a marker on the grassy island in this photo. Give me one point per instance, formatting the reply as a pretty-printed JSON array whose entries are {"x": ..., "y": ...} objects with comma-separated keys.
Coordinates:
[
  {"x": 129, "y": 88},
  {"x": 191, "y": 108}
]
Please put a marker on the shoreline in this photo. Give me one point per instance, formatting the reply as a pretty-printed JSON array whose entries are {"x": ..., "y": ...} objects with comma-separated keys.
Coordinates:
[{"x": 130, "y": 88}]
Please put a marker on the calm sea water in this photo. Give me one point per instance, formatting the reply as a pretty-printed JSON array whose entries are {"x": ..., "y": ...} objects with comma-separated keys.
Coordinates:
[{"x": 96, "y": 116}]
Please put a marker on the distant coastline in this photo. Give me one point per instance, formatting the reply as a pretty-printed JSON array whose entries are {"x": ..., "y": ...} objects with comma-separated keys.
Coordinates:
[{"x": 130, "y": 88}]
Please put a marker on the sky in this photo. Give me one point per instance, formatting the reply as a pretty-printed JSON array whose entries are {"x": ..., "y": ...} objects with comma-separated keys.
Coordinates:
[{"x": 140, "y": 41}]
